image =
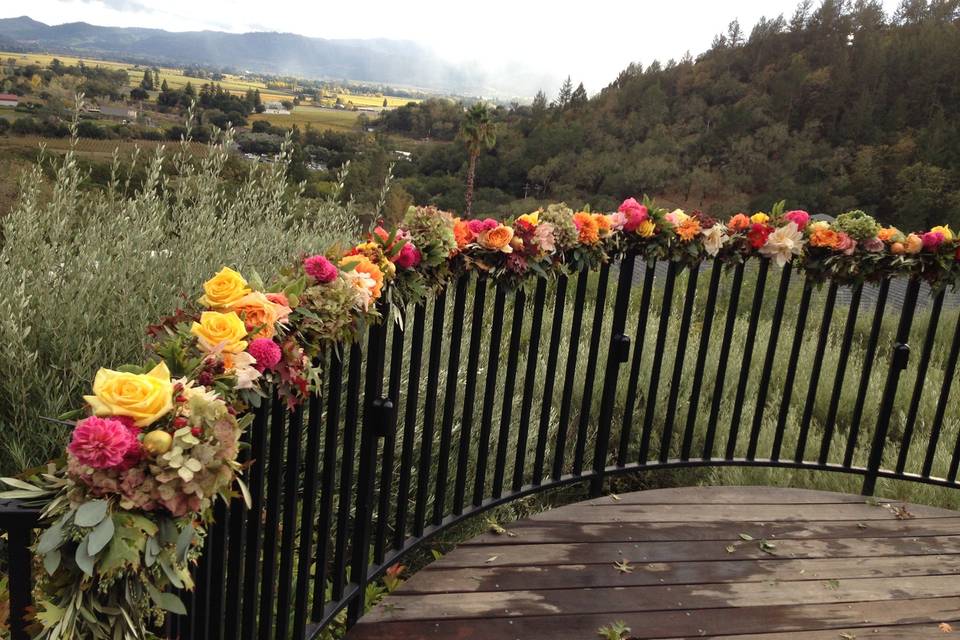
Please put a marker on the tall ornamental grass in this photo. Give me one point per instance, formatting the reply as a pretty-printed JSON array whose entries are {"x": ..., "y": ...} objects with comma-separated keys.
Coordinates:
[{"x": 82, "y": 273}]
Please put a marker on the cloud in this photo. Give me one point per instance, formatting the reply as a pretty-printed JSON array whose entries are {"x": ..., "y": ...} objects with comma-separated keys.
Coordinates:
[{"x": 116, "y": 5}]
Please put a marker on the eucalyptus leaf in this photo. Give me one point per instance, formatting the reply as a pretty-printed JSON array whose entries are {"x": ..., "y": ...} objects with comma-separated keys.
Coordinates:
[
  {"x": 20, "y": 484},
  {"x": 101, "y": 536},
  {"x": 245, "y": 490},
  {"x": 166, "y": 601},
  {"x": 83, "y": 558},
  {"x": 52, "y": 538},
  {"x": 170, "y": 572},
  {"x": 168, "y": 531},
  {"x": 151, "y": 551},
  {"x": 90, "y": 514},
  {"x": 51, "y": 561},
  {"x": 183, "y": 543}
]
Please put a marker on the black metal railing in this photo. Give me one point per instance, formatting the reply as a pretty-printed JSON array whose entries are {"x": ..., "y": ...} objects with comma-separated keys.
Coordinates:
[{"x": 484, "y": 394}]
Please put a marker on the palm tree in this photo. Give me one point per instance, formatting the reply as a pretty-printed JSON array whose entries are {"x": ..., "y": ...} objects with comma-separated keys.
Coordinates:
[{"x": 478, "y": 132}]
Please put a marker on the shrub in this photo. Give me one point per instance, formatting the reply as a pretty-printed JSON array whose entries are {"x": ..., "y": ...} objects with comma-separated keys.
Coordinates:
[{"x": 82, "y": 274}]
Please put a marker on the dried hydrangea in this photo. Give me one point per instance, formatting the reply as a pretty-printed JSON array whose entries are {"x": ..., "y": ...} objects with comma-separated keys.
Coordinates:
[
  {"x": 565, "y": 233},
  {"x": 858, "y": 225}
]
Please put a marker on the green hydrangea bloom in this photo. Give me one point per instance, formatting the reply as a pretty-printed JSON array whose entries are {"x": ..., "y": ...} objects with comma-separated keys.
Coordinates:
[
  {"x": 431, "y": 231},
  {"x": 858, "y": 225},
  {"x": 564, "y": 231}
]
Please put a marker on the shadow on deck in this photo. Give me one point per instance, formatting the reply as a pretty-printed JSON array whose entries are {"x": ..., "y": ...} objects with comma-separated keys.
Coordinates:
[{"x": 733, "y": 562}]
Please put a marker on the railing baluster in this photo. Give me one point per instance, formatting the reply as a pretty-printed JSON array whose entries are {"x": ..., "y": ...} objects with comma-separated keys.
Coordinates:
[
  {"x": 367, "y": 470},
  {"x": 348, "y": 452},
  {"x": 216, "y": 556},
  {"x": 845, "y": 344},
  {"x": 429, "y": 413},
  {"x": 328, "y": 479},
  {"x": 664, "y": 326},
  {"x": 20, "y": 570},
  {"x": 506, "y": 411},
  {"x": 533, "y": 350},
  {"x": 556, "y": 336},
  {"x": 718, "y": 384},
  {"x": 949, "y": 371},
  {"x": 389, "y": 444},
  {"x": 811, "y": 399},
  {"x": 643, "y": 314},
  {"x": 268, "y": 588},
  {"x": 801, "y": 323},
  {"x": 571, "y": 371},
  {"x": 745, "y": 362},
  {"x": 617, "y": 354},
  {"x": 236, "y": 558},
  {"x": 311, "y": 479},
  {"x": 868, "y": 358},
  {"x": 680, "y": 355},
  {"x": 469, "y": 394},
  {"x": 489, "y": 395},
  {"x": 768, "y": 360},
  {"x": 898, "y": 362},
  {"x": 590, "y": 375},
  {"x": 914, "y": 409},
  {"x": 449, "y": 400},
  {"x": 251, "y": 573},
  {"x": 290, "y": 501},
  {"x": 409, "y": 426},
  {"x": 716, "y": 270}
]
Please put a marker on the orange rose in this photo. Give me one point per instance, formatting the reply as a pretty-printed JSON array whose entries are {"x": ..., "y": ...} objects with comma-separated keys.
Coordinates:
[
  {"x": 497, "y": 239},
  {"x": 259, "y": 311},
  {"x": 364, "y": 265},
  {"x": 887, "y": 234},
  {"x": 738, "y": 222},
  {"x": 825, "y": 238},
  {"x": 688, "y": 229},
  {"x": 913, "y": 243},
  {"x": 603, "y": 224},
  {"x": 462, "y": 233},
  {"x": 587, "y": 226}
]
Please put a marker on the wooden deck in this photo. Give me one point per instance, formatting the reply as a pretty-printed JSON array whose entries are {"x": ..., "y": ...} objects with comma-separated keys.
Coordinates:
[{"x": 753, "y": 563}]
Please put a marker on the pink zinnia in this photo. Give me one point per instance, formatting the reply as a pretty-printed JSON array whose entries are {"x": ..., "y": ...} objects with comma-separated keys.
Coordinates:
[
  {"x": 266, "y": 352},
  {"x": 800, "y": 218},
  {"x": 932, "y": 240},
  {"x": 636, "y": 214},
  {"x": 320, "y": 269},
  {"x": 102, "y": 443},
  {"x": 408, "y": 258}
]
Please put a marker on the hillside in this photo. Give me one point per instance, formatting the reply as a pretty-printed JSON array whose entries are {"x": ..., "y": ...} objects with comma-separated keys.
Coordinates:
[
  {"x": 398, "y": 62},
  {"x": 833, "y": 108}
]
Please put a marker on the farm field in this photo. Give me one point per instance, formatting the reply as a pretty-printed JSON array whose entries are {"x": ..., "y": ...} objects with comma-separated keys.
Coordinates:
[
  {"x": 316, "y": 117},
  {"x": 94, "y": 149}
]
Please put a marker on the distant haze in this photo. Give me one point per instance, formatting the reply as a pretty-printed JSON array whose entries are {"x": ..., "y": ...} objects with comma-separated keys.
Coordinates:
[{"x": 508, "y": 48}]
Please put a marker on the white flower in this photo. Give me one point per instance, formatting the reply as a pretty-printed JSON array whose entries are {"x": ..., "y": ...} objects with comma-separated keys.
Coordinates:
[
  {"x": 713, "y": 238},
  {"x": 243, "y": 368},
  {"x": 783, "y": 244},
  {"x": 617, "y": 220},
  {"x": 363, "y": 286}
]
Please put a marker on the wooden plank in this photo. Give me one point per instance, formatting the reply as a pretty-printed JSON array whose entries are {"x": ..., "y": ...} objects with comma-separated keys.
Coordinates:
[
  {"x": 440, "y": 580},
  {"x": 924, "y": 631},
  {"x": 582, "y": 513},
  {"x": 730, "y": 495},
  {"x": 621, "y": 600},
  {"x": 608, "y": 552},
  {"x": 529, "y": 532},
  {"x": 674, "y": 624}
]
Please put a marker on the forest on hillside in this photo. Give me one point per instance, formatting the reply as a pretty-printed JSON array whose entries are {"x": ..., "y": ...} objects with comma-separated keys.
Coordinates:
[{"x": 838, "y": 106}]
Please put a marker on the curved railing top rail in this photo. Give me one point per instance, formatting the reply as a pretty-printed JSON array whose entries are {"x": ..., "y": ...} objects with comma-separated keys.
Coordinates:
[{"x": 353, "y": 471}]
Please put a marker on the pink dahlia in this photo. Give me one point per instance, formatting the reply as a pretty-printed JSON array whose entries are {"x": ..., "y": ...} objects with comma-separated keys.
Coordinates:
[
  {"x": 408, "y": 258},
  {"x": 932, "y": 240},
  {"x": 636, "y": 214},
  {"x": 103, "y": 443},
  {"x": 479, "y": 226},
  {"x": 800, "y": 218},
  {"x": 320, "y": 269},
  {"x": 266, "y": 352},
  {"x": 846, "y": 244}
]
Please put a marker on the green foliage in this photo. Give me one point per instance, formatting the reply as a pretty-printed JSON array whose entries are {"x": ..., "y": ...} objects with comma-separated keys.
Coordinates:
[{"x": 83, "y": 273}]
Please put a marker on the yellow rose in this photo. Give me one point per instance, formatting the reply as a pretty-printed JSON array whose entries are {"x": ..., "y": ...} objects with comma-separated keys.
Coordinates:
[
  {"x": 819, "y": 225},
  {"x": 223, "y": 331},
  {"x": 226, "y": 287},
  {"x": 945, "y": 230},
  {"x": 143, "y": 397},
  {"x": 759, "y": 218},
  {"x": 646, "y": 228},
  {"x": 530, "y": 218}
]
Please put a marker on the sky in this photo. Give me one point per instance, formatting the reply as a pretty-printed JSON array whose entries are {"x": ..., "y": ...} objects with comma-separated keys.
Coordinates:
[{"x": 591, "y": 41}]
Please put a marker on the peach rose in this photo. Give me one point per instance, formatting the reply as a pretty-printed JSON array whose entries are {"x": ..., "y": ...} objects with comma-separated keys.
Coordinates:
[{"x": 497, "y": 239}]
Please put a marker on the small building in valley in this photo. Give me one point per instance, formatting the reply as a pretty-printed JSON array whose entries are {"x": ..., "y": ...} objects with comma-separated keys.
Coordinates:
[
  {"x": 9, "y": 100},
  {"x": 276, "y": 108}
]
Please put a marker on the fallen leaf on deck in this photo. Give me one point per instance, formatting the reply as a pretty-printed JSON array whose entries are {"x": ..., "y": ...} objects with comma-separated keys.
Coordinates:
[
  {"x": 945, "y": 627},
  {"x": 767, "y": 547},
  {"x": 746, "y": 536},
  {"x": 730, "y": 548},
  {"x": 614, "y": 497},
  {"x": 623, "y": 566},
  {"x": 491, "y": 558}
]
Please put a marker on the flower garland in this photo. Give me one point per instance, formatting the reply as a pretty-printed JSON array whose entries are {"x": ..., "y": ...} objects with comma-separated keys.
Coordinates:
[{"x": 127, "y": 508}]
